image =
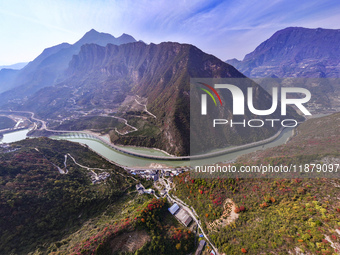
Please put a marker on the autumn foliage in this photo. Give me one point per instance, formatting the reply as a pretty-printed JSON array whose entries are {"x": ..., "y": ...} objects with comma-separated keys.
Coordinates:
[{"x": 239, "y": 209}]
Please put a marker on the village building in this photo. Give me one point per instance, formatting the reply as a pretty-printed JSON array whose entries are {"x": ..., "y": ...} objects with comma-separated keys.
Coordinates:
[
  {"x": 173, "y": 209},
  {"x": 183, "y": 217},
  {"x": 200, "y": 247},
  {"x": 180, "y": 214},
  {"x": 140, "y": 188}
]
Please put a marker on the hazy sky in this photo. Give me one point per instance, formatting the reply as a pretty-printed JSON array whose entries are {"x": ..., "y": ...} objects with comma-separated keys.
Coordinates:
[{"x": 227, "y": 29}]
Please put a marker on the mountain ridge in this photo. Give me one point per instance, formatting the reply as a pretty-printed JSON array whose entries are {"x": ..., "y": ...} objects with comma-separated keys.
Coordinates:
[
  {"x": 16, "y": 66},
  {"x": 7, "y": 76},
  {"x": 100, "y": 79},
  {"x": 292, "y": 46},
  {"x": 312, "y": 55},
  {"x": 45, "y": 69}
]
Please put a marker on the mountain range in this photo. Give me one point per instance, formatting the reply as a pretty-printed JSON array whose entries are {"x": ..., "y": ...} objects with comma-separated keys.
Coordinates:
[
  {"x": 100, "y": 79},
  {"x": 45, "y": 70},
  {"x": 301, "y": 57},
  {"x": 7, "y": 78},
  {"x": 294, "y": 52},
  {"x": 59, "y": 197},
  {"x": 100, "y": 73},
  {"x": 16, "y": 66}
]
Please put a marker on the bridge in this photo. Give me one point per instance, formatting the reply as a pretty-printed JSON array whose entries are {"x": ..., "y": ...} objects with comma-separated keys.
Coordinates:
[
  {"x": 84, "y": 135},
  {"x": 80, "y": 134}
]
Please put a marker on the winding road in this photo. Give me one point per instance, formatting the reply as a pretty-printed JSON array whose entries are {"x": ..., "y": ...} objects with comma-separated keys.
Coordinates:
[
  {"x": 171, "y": 158},
  {"x": 145, "y": 109},
  {"x": 193, "y": 214},
  {"x": 191, "y": 211},
  {"x": 43, "y": 123}
]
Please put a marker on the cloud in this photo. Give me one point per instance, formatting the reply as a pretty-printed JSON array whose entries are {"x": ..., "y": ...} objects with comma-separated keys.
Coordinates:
[{"x": 227, "y": 29}]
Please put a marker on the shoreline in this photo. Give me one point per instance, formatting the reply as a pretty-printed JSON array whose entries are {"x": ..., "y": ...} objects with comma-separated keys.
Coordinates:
[
  {"x": 207, "y": 155},
  {"x": 170, "y": 157},
  {"x": 125, "y": 146}
]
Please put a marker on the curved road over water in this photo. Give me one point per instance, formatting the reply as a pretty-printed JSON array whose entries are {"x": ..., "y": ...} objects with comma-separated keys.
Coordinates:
[
  {"x": 208, "y": 155},
  {"x": 120, "y": 149}
]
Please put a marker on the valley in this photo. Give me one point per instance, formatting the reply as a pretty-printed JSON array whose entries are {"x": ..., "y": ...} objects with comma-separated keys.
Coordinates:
[
  {"x": 100, "y": 140},
  {"x": 207, "y": 212},
  {"x": 141, "y": 157},
  {"x": 145, "y": 86}
]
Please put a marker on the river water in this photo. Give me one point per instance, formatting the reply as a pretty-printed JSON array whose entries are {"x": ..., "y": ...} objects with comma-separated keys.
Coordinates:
[
  {"x": 133, "y": 161},
  {"x": 14, "y": 136}
]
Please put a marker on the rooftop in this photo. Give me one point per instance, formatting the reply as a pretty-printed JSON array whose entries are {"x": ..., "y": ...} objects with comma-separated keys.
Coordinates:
[
  {"x": 184, "y": 217},
  {"x": 174, "y": 208}
]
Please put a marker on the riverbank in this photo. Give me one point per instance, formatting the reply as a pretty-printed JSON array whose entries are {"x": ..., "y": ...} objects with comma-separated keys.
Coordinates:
[
  {"x": 168, "y": 156},
  {"x": 146, "y": 157},
  {"x": 204, "y": 156},
  {"x": 220, "y": 153},
  {"x": 126, "y": 147},
  {"x": 102, "y": 147}
]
